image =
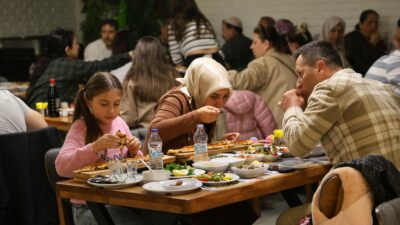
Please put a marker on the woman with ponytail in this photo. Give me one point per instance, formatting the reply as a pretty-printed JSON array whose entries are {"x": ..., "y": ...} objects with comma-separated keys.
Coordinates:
[{"x": 272, "y": 72}]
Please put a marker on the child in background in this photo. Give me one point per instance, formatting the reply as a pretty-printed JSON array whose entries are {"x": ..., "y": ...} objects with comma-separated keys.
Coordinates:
[{"x": 92, "y": 137}]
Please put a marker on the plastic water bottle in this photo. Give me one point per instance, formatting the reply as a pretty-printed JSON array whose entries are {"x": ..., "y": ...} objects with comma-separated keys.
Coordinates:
[
  {"x": 200, "y": 144},
  {"x": 155, "y": 149}
]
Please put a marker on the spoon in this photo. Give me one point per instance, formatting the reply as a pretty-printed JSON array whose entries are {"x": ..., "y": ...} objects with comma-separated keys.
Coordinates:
[{"x": 141, "y": 160}]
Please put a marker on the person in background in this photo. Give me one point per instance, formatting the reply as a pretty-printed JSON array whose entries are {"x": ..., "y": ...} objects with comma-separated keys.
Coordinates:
[
  {"x": 190, "y": 34},
  {"x": 298, "y": 37},
  {"x": 351, "y": 117},
  {"x": 92, "y": 138},
  {"x": 333, "y": 32},
  {"x": 266, "y": 21},
  {"x": 283, "y": 27},
  {"x": 237, "y": 46},
  {"x": 270, "y": 74},
  {"x": 62, "y": 64},
  {"x": 16, "y": 116},
  {"x": 364, "y": 46},
  {"x": 387, "y": 68},
  {"x": 102, "y": 47},
  {"x": 247, "y": 114},
  {"x": 149, "y": 77}
]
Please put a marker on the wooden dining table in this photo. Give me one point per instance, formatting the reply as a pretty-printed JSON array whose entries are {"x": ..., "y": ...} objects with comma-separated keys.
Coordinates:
[
  {"x": 190, "y": 203},
  {"x": 62, "y": 123}
]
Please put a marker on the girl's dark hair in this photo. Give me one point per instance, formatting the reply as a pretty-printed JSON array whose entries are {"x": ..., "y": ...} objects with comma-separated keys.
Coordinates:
[
  {"x": 99, "y": 83},
  {"x": 364, "y": 15},
  {"x": 150, "y": 71},
  {"x": 55, "y": 45},
  {"x": 269, "y": 33},
  {"x": 299, "y": 35},
  {"x": 183, "y": 12}
]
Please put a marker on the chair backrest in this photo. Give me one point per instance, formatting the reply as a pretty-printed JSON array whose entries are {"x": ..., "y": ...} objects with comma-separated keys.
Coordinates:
[
  {"x": 49, "y": 161},
  {"x": 31, "y": 198},
  {"x": 388, "y": 213}
]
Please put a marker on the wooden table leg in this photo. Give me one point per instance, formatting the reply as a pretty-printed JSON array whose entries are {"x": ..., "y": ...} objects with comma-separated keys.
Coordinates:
[
  {"x": 100, "y": 213},
  {"x": 255, "y": 204},
  {"x": 61, "y": 215},
  {"x": 309, "y": 192}
]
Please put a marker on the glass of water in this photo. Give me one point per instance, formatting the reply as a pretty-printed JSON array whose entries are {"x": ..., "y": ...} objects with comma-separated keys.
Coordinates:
[
  {"x": 116, "y": 170},
  {"x": 131, "y": 168}
]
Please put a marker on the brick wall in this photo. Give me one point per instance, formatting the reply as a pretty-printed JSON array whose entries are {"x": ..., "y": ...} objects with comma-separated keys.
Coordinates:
[
  {"x": 20, "y": 18},
  {"x": 313, "y": 12}
]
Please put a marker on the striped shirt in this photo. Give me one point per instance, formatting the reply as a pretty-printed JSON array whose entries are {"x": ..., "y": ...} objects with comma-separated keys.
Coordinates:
[
  {"x": 387, "y": 70},
  {"x": 351, "y": 117},
  {"x": 190, "y": 41}
]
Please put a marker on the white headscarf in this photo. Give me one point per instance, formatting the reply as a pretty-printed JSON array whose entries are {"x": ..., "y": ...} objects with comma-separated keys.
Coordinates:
[
  {"x": 329, "y": 24},
  {"x": 204, "y": 77}
]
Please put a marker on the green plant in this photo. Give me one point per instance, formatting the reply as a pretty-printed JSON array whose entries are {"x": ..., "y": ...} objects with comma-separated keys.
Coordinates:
[{"x": 140, "y": 17}]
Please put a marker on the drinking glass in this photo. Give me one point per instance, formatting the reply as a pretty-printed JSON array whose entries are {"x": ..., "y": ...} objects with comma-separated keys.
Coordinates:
[{"x": 131, "y": 168}]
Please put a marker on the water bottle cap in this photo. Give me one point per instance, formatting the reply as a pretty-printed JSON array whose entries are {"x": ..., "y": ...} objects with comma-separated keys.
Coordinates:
[
  {"x": 52, "y": 81},
  {"x": 154, "y": 130},
  {"x": 200, "y": 125}
]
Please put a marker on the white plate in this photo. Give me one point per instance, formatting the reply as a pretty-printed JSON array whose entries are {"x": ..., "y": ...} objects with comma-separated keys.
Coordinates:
[
  {"x": 195, "y": 173},
  {"x": 128, "y": 182},
  {"x": 232, "y": 161},
  {"x": 215, "y": 183},
  {"x": 157, "y": 187}
]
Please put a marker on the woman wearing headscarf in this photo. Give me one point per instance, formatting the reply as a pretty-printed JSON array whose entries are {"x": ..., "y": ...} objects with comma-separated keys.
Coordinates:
[
  {"x": 205, "y": 90},
  {"x": 333, "y": 32}
]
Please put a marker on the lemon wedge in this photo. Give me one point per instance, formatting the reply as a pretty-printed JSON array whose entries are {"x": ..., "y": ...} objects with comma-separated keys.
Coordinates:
[{"x": 179, "y": 173}]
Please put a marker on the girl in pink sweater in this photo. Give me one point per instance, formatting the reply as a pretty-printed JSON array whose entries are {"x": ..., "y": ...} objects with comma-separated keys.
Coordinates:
[
  {"x": 92, "y": 138},
  {"x": 92, "y": 135}
]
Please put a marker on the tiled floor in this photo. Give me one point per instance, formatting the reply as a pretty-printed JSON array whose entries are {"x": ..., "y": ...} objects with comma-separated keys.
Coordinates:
[{"x": 272, "y": 206}]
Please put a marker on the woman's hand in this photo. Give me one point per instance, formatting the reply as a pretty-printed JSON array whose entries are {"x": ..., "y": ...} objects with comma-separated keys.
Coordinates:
[
  {"x": 208, "y": 114},
  {"x": 106, "y": 141},
  {"x": 133, "y": 144},
  {"x": 231, "y": 136}
]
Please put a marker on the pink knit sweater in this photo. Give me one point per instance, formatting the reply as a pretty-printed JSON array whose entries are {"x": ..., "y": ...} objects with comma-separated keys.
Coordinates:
[
  {"x": 75, "y": 154},
  {"x": 248, "y": 114}
]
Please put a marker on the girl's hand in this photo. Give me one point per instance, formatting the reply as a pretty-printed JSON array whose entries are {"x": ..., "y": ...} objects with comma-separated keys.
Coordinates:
[
  {"x": 133, "y": 144},
  {"x": 104, "y": 142},
  {"x": 208, "y": 114},
  {"x": 231, "y": 136}
]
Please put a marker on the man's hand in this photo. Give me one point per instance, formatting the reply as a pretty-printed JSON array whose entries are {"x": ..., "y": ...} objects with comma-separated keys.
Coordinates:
[{"x": 291, "y": 98}]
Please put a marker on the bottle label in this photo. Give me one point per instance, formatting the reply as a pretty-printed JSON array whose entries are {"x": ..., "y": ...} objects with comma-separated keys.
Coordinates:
[
  {"x": 200, "y": 148},
  {"x": 155, "y": 150}
]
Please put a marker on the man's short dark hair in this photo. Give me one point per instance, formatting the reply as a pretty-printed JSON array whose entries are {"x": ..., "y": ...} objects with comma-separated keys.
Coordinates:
[
  {"x": 110, "y": 22},
  {"x": 237, "y": 29},
  {"x": 319, "y": 50}
]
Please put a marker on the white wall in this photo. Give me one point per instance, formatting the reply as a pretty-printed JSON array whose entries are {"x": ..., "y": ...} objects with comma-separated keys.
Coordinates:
[
  {"x": 20, "y": 18},
  {"x": 313, "y": 12}
]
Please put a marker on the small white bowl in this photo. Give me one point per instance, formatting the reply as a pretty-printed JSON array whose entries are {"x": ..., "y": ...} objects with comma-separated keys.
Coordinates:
[
  {"x": 217, "y": 167},
  {"x": 250, "y": 157},
  {"x": 156, "y": 175},
  {"x": 249, "y": 173},
  {"x": 185, "y": 184}
]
